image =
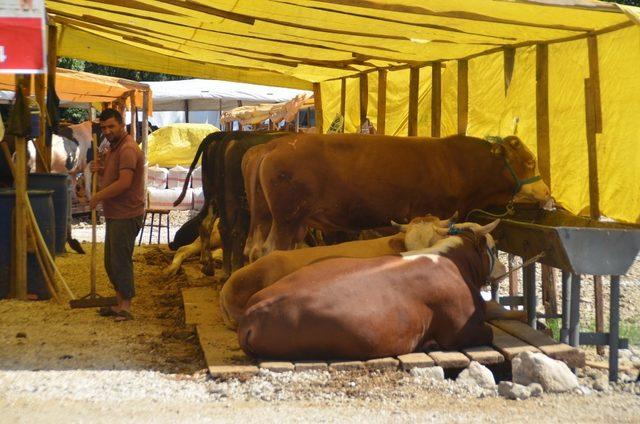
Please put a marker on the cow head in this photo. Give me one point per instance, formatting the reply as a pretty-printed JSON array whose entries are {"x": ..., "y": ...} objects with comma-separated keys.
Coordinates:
[
  {"x": 520, "y": 164},
  {"x": 496, "y": 268},
  {"x": 422, "y": 232}
]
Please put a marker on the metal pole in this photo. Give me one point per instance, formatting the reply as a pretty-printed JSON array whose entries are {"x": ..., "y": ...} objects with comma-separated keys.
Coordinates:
[
  {"x": 614, "y": 329},
  {"x": 574, "y": 324},
  {"x": 529, "y": 289},
  {"x": 566, "y": 307}
]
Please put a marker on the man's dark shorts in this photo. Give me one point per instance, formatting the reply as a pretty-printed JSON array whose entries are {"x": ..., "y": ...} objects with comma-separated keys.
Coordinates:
[{"x": 118, "y": 253}]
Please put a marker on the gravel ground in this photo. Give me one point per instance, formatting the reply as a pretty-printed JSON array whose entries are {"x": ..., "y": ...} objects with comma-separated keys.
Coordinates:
[{"x": 58, "y": 364}]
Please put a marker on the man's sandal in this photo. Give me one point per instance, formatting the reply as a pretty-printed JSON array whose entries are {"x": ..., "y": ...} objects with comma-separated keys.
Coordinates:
[
  {"x": 106, "y": 311},
  {"x": 123, "y": 316}
]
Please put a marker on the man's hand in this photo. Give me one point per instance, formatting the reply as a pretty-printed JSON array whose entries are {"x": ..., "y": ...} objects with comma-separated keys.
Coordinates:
[
  {"x": 96, "y": 166},
  {"x": 95, "y": 199}
]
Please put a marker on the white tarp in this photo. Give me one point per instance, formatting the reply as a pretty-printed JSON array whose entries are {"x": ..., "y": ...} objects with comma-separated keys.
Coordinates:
[{"x": 212, "y": 94}]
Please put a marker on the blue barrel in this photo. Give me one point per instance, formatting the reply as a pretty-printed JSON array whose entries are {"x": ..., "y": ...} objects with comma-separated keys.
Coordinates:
[
  {"x": 59, "y": 183},
  {"x": 42, "y": 204}
]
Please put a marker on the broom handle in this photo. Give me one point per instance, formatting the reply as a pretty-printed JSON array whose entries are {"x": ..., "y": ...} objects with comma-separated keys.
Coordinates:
[{"x": 94, "y": 187}]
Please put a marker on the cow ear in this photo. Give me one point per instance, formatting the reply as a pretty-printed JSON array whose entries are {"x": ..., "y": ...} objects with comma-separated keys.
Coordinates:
[
  {"x": 401, "y": 228},
  {"x": 515, "y": 142},
  {"x": 497, "y": 149},
  {"x": 489, "y": 227},
  {"x": 397, "y": 244}
]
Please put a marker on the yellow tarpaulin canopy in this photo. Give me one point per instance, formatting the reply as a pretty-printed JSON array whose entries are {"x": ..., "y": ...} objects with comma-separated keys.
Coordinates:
[
  {"x": 297, "y": 43},
  {"x": 176, "y": 144},
  {"x": 84, "y": 87}
]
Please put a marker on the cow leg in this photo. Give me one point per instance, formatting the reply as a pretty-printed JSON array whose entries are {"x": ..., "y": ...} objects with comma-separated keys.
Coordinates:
[
  {"x": 283, "y": 236},
  {"x": 208, "y": 267},
  {"x": 181, "y": 255}
]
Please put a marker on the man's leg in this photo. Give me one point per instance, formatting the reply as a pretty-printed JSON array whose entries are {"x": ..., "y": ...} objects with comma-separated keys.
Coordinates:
[{"x": 123, "y": 241}]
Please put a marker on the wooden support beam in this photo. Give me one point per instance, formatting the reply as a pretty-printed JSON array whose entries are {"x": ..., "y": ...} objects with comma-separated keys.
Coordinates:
[
  {"x": 436, "y": 98},
  {"x": 414, "y": 90},
  {"x": 145, "y": 135},
  {"x": 41, "y": 164},
  {"x": 509, "y": 59},
  {"x": 382, "y": 101},
  {"x": 364, "y": 98},
  {"x": 19, "y": 288},
  {"x": 134, "y": 116},
  {"x": 594, "y": 75},
  {"x": 513, "y": 281},
  {"x": 343, "y": 97},
  {"x": 549, "y": 295},
  {"x": 599, "y": 304},
  {"x": 186, "y": 110},
  {"x": 463, "y": 96},
  {"x": 542, "y": 112},
  {"x": 317, "y": 101},
  {"x": 592, "y": 157},
  {"x": 52, "y": 64}
]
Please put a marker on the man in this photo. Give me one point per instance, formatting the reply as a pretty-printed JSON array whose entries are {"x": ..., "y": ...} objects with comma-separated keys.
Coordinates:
[{"x": 122, "y": 196}]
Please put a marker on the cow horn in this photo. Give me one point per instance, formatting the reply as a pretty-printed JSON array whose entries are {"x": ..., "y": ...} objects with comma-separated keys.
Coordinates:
[
  {"x": 489, "y": 227},
  {"x": 447, "y": 222},
  {"x": 442, "y": 231},
  {"x": 400, "y": 227}
]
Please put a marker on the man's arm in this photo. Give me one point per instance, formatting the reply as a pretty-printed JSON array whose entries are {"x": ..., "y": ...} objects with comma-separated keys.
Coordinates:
[{"x": 125, "y": 178}]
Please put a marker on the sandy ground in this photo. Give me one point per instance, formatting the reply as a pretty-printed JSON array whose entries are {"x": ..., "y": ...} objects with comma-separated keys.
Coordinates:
[{"x": 59, "y": 364}]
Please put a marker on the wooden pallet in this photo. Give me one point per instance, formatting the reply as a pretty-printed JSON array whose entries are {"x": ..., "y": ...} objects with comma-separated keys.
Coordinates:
[{"x": 201, "y": 305}]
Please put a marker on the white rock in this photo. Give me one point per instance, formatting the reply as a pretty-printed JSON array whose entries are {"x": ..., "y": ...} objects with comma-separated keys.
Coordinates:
[
  {"x": 601, "y": 385},
  {"x": 554, "y": 376},
  {"x": 433, "y": 373},
  {"x": 535, "y": 389},
  {"x": 477, "y": 374},
  {"x": 513, "y": 391}
]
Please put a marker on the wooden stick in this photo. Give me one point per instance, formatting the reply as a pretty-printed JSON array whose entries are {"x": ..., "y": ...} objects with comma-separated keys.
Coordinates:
[
  {"x": 513, "y": 282},
  {"x": 42, "y": 165},
  {"x": 364, "y": 98},
  {"x": 43, "y": 246},
  {"x": 317, "y": 100},
  {"x": 20, "y": 221},
  {"x": 597, "y": 291},
  {"x": 414, "y": 91},
  {"x": 94, "y": 189},
  {"x": 382, "y": 101},
  {"x": 436, "y": 98},
  {"x": 134, "y": 116},
  {"x": 343, "y": 97},
  {"x": 7, "y": 156},
  {"x": 463, "y": 96},
  {"x": 45, "y": 270},
  {"x": 549, "y": 297},
  {"x": 542, "y": 112}
]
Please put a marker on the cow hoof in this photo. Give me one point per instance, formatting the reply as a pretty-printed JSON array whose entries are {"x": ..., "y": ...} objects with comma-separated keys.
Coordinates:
[{"x": 75, "y": 245}]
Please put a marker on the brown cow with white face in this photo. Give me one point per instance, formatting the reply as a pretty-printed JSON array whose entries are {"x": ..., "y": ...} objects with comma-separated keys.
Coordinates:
[
  {"x": 353, "y": 308},
  {"x": 355, "y": 182},
  {"x": 420, "y": 233}
]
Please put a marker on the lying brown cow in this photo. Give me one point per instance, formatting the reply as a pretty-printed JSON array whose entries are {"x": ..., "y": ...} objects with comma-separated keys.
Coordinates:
[
  {"x": 244, "y": 283},
  {"x": 355, "y": 182},
  {"x": 352, "y": 308}
]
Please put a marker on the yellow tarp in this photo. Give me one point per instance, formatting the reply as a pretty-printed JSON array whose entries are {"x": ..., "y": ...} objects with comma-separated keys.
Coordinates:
[
  {"x": 177, "y": 144},
  {"x": 295, "y": 44}
]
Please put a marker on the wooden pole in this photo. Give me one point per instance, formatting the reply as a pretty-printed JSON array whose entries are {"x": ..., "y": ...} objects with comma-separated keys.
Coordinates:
[
  {"x": 134, "y": 116},
  {"x": 513, "y": 282},
  {"x": 145, "y": 137},
  {"x": 414, "y": 90},
  {"x": 364, "y": 98},
  {"x": 463, "y": 96},
  {"x": 436, "y": 98},
  {"x": 594, "y": 75},
  {"x": 317, "y": 100},
  {"x": 343, "y": 97},
  {"x": 41, "y": 165},
  {"x": 542, "y": 111},
  {"x": 382, "y": 101},
  {"x": 52, "y": 63},
  {"x": 186, "y": 110},
  {"x": 20, "y": 222}
]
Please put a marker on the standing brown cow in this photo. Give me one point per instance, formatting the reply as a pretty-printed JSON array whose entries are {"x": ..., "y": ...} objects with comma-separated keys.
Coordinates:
[
  {"x": 355, "y": 182},
  {"x": 353, "y": 308}
]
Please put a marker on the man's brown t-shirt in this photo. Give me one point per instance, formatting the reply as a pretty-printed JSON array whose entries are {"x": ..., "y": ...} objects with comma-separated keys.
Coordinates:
[{"x": 130, "y": 203}]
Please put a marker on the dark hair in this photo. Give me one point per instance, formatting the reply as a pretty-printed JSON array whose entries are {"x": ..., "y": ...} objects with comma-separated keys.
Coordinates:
[{"x": 111, "y": 113}]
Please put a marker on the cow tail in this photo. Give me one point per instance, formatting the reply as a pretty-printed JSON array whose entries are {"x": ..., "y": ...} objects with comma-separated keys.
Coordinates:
[{"x": 203, "y": 145}]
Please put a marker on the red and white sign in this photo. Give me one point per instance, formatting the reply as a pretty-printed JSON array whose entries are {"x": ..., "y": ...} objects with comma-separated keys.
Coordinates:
[{"x": 22, "y": 35}]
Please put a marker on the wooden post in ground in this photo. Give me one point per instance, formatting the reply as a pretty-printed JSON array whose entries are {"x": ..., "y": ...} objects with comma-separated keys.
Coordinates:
[
  {"x": 364, "y": 98},
  {"x": 317, "y": 101},
  {"x": 145, "y": 136},
  {"x": 382, "y": 101},
  {"x": 52, "y": 63},
  {"x": 343, "y": 97},
  {"x": 436, "y": 98},
  {"x": 134, "y": 116},
  {"x": 41, "y": 164},
  {"x": 19, "y": 286},
  {"x": 463, "y": 96},
  {"x": 513, "y": 282},
  {"x": 414, "y": 90}
]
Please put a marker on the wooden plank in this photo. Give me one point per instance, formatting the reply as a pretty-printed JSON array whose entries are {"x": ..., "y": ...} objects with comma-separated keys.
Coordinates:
[
  {"x": 508, "y": 62},
  {"x": 592, "y": 155},
  {"x": 317, "y": 101},
  {"x": 382, "y": 364},
  {"x": 594, "y": 75},
  {"x": 233, "y": 371},
  {"x": 277, "y": 366},
  {"x": 311, "y": 366},
  {"x": 414, "y": 90},
  {"x": 346, "y": 366},
  {"x": 199, "y": 303},
  {"x": 560, "y": 351},
  {"x": 463, "y": 96},
  {"x": 415, "y": 360},
  {"x": 542, "y": 112},
  {"x": 509, "y": 345},
  {"x": 486, "y": 355},
  {"x": 382, "y": 101},
  {"x": 436, "y": 98},
  {"x": 216, "y": 345},
  {"x": 364, "y": 98},
  {"x": 449, "y": 359}
]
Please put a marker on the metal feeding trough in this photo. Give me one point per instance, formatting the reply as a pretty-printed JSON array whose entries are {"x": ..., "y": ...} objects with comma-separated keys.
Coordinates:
[{"x": 576, "y": 245}]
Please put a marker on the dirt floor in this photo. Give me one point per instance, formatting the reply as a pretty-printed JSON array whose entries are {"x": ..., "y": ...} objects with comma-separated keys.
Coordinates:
[{"x": 59, "y": 364}]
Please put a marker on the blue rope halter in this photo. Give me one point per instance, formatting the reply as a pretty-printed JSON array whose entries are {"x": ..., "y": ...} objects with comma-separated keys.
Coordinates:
[{"x": 519, "y": 182}]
